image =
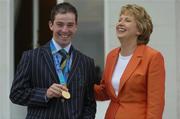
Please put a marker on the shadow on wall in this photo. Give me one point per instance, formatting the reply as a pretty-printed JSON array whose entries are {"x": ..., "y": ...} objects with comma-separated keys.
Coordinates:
[{"x": 98, "y": 74}]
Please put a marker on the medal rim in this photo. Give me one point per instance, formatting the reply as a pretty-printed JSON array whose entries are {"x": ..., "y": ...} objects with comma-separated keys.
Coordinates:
[{"x": 66, "y": 94}]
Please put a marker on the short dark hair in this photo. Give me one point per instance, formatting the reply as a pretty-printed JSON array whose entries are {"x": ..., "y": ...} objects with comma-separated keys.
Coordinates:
[{"x": 63, "y": 8}]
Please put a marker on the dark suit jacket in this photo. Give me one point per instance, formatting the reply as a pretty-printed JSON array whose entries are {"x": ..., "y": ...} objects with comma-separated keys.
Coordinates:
[{"x": 36, "y": 73}]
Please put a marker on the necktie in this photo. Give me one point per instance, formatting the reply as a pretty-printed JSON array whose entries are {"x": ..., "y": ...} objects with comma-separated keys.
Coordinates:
[{"x": 65, "y": 57}]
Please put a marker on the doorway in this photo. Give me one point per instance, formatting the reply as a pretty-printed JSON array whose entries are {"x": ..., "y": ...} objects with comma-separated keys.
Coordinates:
[{"x": 23, "y": 35}]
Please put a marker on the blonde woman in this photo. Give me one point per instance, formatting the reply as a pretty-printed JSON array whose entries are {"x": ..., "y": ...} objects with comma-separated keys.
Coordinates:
[{"x": 134, "y": 74}]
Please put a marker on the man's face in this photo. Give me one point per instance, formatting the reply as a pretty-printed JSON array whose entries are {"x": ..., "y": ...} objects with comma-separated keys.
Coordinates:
[{"x": 63, "y": 27}]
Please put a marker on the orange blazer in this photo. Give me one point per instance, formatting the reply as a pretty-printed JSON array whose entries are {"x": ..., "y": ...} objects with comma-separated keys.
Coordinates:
[{"x": 142, "y": 86}]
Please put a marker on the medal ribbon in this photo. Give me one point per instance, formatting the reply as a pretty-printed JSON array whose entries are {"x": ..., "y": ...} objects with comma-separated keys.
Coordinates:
[{"x": 57, "y": 59}]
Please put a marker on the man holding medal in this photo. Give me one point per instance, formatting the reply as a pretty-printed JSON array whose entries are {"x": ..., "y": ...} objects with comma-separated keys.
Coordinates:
[{"x": 56, "y": 80}]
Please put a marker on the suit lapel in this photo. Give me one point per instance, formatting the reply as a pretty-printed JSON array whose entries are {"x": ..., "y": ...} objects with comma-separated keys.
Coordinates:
[
  {"x": 132, "y": 65},
  {"x": 49, "y": 61},
  {"x": 74, "y": 65}
]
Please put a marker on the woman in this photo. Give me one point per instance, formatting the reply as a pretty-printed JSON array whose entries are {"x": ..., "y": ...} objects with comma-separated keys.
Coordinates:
[{"x": 134, "y": 74}]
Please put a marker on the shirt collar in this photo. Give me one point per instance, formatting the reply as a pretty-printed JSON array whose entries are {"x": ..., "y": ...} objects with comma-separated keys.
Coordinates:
[{"x": 58, "y": 47}]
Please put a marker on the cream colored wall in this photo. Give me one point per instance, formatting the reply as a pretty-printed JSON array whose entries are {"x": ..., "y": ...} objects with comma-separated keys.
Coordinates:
[
  {"x": 7, "y": 109},
  {"x": 178, "y": 53},
  {"x": 6, "y": 56},
  {"x": 163, "y": 38}
]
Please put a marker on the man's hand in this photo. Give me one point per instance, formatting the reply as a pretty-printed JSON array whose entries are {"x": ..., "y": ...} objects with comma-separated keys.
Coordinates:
[{"x": 55, "y": 90}]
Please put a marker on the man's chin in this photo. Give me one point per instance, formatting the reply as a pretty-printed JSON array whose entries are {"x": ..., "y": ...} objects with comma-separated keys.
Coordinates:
[{"x": 64, "y": 44}]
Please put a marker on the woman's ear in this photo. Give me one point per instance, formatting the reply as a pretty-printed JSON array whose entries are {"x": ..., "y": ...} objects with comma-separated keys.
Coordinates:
[{"x": 138, "y": 33}]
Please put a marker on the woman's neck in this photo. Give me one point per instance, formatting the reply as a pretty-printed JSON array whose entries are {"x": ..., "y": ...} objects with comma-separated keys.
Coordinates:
[{"x": 127, "y": 48}]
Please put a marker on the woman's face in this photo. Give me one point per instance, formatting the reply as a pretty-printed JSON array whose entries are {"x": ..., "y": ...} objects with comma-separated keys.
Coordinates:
[{"x": 126, "y": 27}]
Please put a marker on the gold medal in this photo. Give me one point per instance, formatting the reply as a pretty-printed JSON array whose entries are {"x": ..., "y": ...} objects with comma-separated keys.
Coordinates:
[{"x": 66, "y": 94}]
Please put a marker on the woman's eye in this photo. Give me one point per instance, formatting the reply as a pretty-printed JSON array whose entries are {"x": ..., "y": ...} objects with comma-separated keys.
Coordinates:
[
  {"x": 120, "y": 20},
  {"x": 128, "y": 20}
]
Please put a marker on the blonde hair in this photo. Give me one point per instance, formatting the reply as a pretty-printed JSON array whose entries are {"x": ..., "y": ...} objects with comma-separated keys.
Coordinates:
[{"x": 143, "y": 21}]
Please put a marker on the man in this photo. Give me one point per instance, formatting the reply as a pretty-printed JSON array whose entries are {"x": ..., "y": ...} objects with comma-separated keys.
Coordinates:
[{"x": 56, "y": 81}]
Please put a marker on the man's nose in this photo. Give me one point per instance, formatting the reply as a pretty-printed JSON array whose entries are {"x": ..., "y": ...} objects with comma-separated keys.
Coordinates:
[{"x": 64, "y": 28}]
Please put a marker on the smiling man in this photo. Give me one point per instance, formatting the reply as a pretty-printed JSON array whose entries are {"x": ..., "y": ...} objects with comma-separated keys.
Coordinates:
[{"x": 56, "y": 81}]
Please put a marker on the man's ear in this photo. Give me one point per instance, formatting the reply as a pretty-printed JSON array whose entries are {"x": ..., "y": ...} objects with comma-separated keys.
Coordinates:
[{"x": 50, "y": 25}]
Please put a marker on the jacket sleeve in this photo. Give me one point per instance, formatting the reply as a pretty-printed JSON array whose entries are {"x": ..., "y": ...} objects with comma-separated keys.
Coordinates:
[
  {"x": 100, "y": 90},
  {"x": 22, "y": 91},
  {"x": 156, "y": 87}
]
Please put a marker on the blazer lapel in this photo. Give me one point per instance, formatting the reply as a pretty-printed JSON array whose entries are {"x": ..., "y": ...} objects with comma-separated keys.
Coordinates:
[
  {"x": 49, "y": 60},
  {"x": 111, "y": 70},
  {"x": 74, "y": 65},
  {"x": 133, "y": 63}
]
